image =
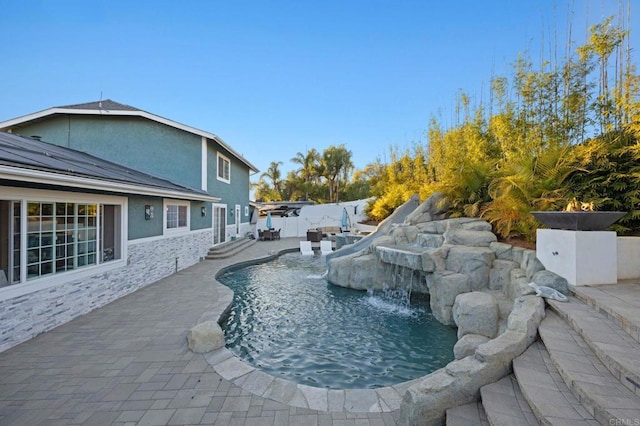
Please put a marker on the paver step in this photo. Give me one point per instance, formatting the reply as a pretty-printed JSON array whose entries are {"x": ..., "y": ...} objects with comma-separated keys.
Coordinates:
[
  {"x": 468, "y": 414},
  {"x": 545, "y": 391},
  {"x": 614, "y": 347},
  {"x": 229, "y": 249},
  {"x": 620, "y": 306},
  {"x": 604, "y": 397},
  {"x": 505, "y": 405}
]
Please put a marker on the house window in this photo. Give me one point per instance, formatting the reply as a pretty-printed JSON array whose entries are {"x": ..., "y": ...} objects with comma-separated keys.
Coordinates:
[
  {"x": 176, "y": 215},
  {"x": 45, "y": 237},
  {"x": 224, "y": 168},
  {"x": 60, "y": 237},
  {"x": 110, "y": 225}
]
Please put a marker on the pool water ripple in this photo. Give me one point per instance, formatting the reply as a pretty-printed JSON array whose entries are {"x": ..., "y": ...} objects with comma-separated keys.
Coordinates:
[{"x": 288, "y": 321}]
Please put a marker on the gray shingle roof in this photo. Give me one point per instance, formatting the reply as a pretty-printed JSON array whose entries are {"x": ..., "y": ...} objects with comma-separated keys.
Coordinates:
[
  {"x": 33, "y": 154},
  {"x": 107, "y": 104}
]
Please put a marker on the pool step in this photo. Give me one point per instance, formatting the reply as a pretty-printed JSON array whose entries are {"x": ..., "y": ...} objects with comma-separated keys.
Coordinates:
[
  {"x": 599, "y": 392},
  {"x": 468, "y": 414},
  {"x": 585, "y": 370},
  {"x": 229, "y": 248},
  {"x": 613, "y": 346},
  {"x": 505, "y": 405},
  {"x": 545, "y": 391},
  {"x": 620, "y": 306}
]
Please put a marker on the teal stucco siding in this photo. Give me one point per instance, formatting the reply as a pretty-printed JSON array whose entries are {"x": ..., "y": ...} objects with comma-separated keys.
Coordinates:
[
  {"x": 155, "y": 148},
  {"x": 139, "y": 227},
  {"x": 135, "y": 142},
  {"x": 198, "y": 221},
  {"x": 235, "y": 192}
]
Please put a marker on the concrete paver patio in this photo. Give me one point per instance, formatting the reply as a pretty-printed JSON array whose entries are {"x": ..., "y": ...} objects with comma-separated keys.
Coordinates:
[{"x": 128, "y": 364}]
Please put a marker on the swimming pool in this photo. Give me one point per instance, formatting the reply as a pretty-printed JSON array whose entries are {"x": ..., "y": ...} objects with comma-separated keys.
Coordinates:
[{"x": 288, "y": 321}]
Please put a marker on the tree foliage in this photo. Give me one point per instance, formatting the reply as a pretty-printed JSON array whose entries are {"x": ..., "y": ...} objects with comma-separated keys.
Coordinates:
[
  {"x": 321, "y": 177},
  {"x": 545, "y": 135}
]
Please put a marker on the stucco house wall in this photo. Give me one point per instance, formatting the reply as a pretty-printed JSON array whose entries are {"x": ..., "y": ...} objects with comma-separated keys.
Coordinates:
[
  {"x": 134, "y": 142},
  {"x": 151, "y": 144},
  {"x": 170, "y": 166}
]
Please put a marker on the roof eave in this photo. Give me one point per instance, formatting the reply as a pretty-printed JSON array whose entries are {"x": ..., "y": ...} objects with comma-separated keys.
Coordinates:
[
  {"x": 138, "y": 113},
  {"x": 75, "y": 181}
]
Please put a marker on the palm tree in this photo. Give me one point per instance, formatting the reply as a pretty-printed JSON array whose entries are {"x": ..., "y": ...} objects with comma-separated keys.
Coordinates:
[
  {"x": 274, "y": 174},
  {"x": 336, "y": 166},
  {"x": 309, "y": 170}
]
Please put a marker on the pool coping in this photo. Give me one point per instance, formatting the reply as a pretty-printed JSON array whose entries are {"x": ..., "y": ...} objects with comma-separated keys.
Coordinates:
[{"x": 252, "y": 380}]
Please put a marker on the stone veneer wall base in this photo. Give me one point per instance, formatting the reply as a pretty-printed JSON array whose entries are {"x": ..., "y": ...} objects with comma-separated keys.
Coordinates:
[{"x": 26, "y": 316}]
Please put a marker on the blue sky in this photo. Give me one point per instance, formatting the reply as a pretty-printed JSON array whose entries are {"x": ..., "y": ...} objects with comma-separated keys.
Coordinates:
[{"x": 273, "y": 78}]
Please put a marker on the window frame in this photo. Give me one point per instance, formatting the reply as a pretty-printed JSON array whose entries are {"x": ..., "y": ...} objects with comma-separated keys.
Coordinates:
[
  {"x": 23, "y": 196},
  {"x": 178, "y": 229},
  {"x": 220, "y": 176}
]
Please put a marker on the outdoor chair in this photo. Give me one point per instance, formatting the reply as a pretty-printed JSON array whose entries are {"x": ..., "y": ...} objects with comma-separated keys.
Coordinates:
[
  {"x": 325, "y": 247},
  {"x": 305, "y": 248}
]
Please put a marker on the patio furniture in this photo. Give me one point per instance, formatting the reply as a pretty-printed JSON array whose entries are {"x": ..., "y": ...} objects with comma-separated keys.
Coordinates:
[
  {"x": 314, "y": 235},
  {"x": 305, "y": 248},
  {"x": 325, "y": 247}
]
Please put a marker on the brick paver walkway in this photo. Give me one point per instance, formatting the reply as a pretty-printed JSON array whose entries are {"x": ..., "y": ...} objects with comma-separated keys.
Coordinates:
[{"x": 128, "y": 364}]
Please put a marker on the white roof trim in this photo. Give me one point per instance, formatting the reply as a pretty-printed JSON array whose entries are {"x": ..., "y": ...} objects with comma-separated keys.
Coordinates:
[
  {"x": 136, "y": 113},
  {"x": 43, "y": 177}
]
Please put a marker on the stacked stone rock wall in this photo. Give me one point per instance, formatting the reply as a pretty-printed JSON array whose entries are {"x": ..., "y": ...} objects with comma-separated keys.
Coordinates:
[
  {"x": 468, "y": 275},
  {"x": 26, "y": 316}
]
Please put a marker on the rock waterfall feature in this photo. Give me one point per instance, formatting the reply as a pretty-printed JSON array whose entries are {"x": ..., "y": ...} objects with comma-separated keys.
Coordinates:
[{"x": 473, "y": 281}]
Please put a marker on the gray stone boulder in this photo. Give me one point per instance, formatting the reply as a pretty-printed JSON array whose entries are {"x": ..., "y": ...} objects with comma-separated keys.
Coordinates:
[
  {"x": 405, "y": 256},
  {"x": 433, "y": 208},
  {"x": 468, "y": 344},
  {"x": 429, "y": 240},
  {"x": 438, "y": 257},
  {"x": 518, "y": 284},
  {"x": 339, "y": 270},
  {"x": 404, "y": 234},
  {"x": 444, "y": 287},
  {"x": 426, "y": 402},
  {"x": 363, "y": 273},
  {"x": 205, "y": 337},
  {"x": 526, "y": 315},
  {"x": 465, "y": 237},
  {"x": 476, "y": 225},
  {"x": 530, "y": 263},
  {"x": 500, "y": 274},
  {"x": 503, "y": 251},
  {"x": 551, "y": 279},
  {"x": 476, "y": 313},
  {"x": 517, "y": 254},
  {"x": 473, "y": 261}
]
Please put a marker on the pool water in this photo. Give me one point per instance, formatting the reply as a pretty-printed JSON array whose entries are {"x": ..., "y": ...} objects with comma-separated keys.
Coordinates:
[{"x": 289, "y": 322}]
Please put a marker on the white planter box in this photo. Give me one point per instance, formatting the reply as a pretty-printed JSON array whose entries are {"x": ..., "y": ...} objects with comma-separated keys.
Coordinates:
[{"x": 582, "y": 257}]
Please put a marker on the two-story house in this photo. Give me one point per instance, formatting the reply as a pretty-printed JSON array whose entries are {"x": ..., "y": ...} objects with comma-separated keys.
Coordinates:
[{"x": 100, "y": 199}]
